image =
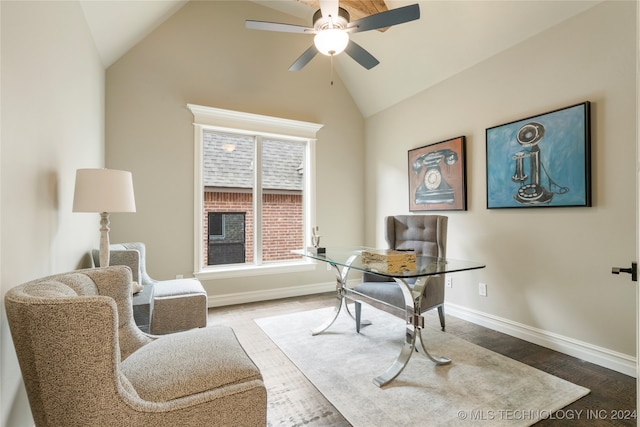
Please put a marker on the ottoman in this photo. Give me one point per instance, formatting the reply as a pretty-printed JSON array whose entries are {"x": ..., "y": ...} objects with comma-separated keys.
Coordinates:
[{"x": 177, "y": 305}]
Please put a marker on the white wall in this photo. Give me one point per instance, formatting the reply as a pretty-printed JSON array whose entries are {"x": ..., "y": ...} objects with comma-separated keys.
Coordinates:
[
  {"x": 204, "y": 55},
  {"x": 52, "y": 124},
  {"x": 547, "y": 269}
]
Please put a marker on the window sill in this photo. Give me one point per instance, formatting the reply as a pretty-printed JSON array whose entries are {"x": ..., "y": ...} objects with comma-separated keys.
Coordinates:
[{"x": 243, "y": 270}]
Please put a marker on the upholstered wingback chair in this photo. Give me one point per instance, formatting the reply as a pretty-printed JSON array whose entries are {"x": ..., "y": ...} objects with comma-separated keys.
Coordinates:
[
  {"x": 133, "y": 254},
  {"x": 85, "y": 363},
  {"x": 426, "y": 235},
  {"x": 163, "y": 306}
]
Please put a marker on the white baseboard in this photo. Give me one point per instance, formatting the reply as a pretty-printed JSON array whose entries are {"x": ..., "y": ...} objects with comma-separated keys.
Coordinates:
[
  {"x": 269, "y": 294},
  {"x": 610, "y": 359}
]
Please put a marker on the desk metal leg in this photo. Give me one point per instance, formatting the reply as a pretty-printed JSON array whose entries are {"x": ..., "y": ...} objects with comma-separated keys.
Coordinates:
[
  {"x": 336, "y": 311},
  {"x": 415, "y": 323},
  {"x": 341, "y": 282},
  {"x": 401, "y": 361},
  {"x": 435, "y": 359}
]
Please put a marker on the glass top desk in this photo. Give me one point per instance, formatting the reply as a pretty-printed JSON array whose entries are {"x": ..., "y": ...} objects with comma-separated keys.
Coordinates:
[{"x": 349, "y": 258}]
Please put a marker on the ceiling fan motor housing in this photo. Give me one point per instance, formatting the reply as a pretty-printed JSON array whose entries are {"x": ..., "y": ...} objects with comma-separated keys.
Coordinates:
[
  {"x": 332, "y": 32},
  {"x": 322, "y": 23}
]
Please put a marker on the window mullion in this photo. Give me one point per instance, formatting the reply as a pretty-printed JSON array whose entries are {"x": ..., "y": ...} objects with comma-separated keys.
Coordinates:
[{"x": 257, "y": 201}]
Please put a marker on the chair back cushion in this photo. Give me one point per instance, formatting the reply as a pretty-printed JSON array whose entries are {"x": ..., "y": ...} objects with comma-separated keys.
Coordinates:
[
  {"x": 121, "y": 255},
  {"x": 144, "y": 278},
  {"x": 425, "y": 234}
]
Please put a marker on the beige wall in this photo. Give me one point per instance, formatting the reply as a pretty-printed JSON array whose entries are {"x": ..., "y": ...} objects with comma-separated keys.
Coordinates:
[
  {"x": 548, "y": 270},
  {"x": 204, "y": 55},
  {"x": 52, "y": 124}
]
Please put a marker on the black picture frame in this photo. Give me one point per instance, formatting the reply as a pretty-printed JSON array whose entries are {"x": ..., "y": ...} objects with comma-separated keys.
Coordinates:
[
  {"x": 541, "y": 161},
  {"x": 437, "y": 176}
]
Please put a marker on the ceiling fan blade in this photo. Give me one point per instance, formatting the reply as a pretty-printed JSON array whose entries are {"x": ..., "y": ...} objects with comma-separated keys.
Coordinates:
[
  {"x": 277, "y": 26},
  {"x": 329, "y": 8},
  {"x": 360, "y": 55},
  {"x": 304, "y": 59},
  {"x": 386, "y": 19}
]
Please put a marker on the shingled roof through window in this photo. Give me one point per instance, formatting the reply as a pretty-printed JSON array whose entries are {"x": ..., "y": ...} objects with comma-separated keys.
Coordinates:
[{"x": 228, "y": 162}]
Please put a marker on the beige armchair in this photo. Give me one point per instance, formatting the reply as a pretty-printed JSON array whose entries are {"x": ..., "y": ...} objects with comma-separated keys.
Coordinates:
[
  {"x": 85, "y": 363},
  {"x": 426, "y": 235}
]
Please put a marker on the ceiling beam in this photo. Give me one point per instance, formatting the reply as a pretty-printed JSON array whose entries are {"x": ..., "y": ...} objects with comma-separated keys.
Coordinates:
[{"x": 357, "y": 8}]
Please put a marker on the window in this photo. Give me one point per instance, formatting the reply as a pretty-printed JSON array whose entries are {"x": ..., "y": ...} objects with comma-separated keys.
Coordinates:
[
  {"x": 216, "y": 226},
  {"x": 254, "y": 191},
  {"x": 226, "y": 243}
]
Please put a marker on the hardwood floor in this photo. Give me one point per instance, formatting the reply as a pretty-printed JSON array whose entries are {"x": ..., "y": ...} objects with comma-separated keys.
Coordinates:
[{"x": 612, "y": 401}]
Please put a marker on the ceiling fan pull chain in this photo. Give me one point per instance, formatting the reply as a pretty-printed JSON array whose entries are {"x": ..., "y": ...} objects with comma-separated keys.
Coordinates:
[{"x": 331, "y": 70}]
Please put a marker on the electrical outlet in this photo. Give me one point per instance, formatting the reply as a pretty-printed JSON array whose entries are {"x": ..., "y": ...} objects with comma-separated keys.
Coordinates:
[
  {"x": 482, "y": 289},
  {"x": 449, "y": 281},
  {"x": 179, "y": 276}
]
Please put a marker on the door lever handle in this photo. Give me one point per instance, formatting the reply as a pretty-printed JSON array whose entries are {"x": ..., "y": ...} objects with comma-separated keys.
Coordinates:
[{"x": 633, "y": 271}]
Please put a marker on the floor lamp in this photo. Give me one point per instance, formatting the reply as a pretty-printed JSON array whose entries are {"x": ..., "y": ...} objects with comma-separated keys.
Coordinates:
[{"x": 103, "y": 191}]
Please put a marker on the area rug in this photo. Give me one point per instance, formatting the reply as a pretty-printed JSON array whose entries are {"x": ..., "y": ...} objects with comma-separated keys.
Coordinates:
[{"x": 479, "y": 386}]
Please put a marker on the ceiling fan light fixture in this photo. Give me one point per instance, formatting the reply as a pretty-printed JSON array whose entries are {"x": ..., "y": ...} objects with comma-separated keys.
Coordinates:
[{"x": 331, "y": 41}]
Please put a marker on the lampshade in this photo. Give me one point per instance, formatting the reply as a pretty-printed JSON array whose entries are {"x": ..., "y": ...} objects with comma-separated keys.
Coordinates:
[
  {"x": 331, "y": 41},
  {"x": 103, "y": 190}
]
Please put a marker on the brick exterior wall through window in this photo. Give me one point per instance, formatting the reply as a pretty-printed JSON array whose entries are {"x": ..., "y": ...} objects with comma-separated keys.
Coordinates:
[{"x": 282, "y": 216}]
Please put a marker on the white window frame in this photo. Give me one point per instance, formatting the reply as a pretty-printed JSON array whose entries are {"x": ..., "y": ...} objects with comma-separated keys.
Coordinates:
[
  {"x": 216, "y": 236},
  {"x": 264, "y": 126}
]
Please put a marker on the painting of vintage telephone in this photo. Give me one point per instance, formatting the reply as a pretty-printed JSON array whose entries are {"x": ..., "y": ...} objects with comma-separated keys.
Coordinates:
[
  {"x": 541, "y": 161},
  {"x": 434, "y": 188},
  {"x": 532, "y": 192},
  {"x": 436, "y": 181}
]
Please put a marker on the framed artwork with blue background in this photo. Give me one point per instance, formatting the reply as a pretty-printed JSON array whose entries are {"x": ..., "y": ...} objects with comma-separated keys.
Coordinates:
[{"x": 541, "y": 161}]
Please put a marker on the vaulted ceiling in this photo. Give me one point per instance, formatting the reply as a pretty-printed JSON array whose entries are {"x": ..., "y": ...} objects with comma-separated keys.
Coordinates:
[{"x": 449, "y": 37}]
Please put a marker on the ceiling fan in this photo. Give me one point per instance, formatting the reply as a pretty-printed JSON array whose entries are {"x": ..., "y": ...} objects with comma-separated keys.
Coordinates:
[{"x": 332, "y": 26}]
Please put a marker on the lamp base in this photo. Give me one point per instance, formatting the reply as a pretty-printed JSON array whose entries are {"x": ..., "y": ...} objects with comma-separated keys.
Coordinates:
[{"x": 104, "y": 239}]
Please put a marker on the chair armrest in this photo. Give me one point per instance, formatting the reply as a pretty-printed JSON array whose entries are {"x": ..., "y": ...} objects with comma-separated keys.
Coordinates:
[{"x": 433, "y": 292}]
